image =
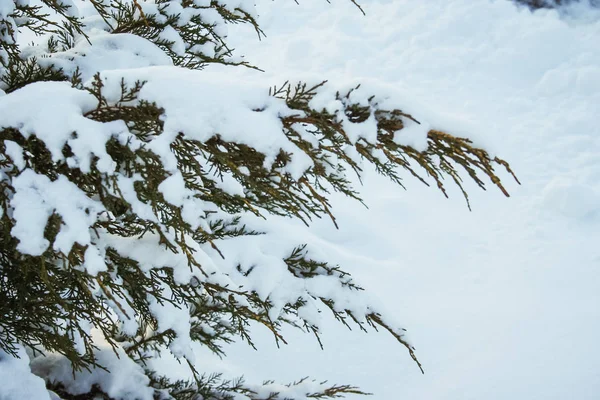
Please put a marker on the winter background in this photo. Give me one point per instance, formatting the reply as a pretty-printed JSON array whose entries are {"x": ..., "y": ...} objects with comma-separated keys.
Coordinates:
[{"x": 500, "y": 302}]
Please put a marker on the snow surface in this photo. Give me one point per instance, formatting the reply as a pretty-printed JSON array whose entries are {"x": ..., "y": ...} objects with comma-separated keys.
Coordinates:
[
  {"x": 17, "y": 381},
  {"x": 126, "y": 381},
  {"x": 501, "y": 302}
]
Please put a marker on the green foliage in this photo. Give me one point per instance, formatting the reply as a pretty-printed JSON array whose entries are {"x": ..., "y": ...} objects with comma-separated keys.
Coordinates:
[{"x": 44, "y": 299}]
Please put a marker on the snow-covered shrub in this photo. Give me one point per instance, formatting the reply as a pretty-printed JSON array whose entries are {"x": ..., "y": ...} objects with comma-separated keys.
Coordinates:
[{"x": 130, "y": 182}]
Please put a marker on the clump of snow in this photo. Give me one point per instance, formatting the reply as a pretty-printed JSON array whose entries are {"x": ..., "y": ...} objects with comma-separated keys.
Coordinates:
[
  {"x": 413, "y": 134},
  {"x": 124, "y": 379},
  {"x": 54, "y": 122},
  {"x": 15, "y": 152},
  {"x": 170, "y": 35},
  {"x": 104, "y": 51},
  {"x": 36, "y": 198},
  {"x": 17, "y": 380}
]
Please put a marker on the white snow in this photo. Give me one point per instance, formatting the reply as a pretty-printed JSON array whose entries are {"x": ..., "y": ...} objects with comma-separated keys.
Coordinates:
[
  {"x": 126, "y": 381},
  {"x": 15, "y": 152},
  {"x": 35, "y": 200},
  {"x": 55, "y": 122},
  {"x": 501, "y": 302},
  {"x": 17, "y": 380},
  {"x": 413, "y": 134}
]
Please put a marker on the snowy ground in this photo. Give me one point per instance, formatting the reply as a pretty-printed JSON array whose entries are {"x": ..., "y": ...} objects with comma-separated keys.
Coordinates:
[{"x": 501, "y": 302}]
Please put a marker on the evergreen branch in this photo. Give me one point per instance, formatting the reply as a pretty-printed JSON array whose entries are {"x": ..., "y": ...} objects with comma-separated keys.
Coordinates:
[{"x": 50, "y": 302}]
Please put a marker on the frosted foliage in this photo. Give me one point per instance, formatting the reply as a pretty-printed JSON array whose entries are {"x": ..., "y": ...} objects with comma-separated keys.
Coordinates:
[
  {"x": 36, "y": 198},
  {"x": 60, "y": 122},
  {"x": 227, "y": 107},
  {"x": 194, "y": 104},
  {"x": 72, "y": 122},
  {"x": 192, "y": 33}
]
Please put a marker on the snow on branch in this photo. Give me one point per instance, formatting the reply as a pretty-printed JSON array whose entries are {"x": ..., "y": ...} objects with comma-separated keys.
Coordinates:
[
  {"x": 129, "y": 197},
  {"x": 133, "y": 197}
]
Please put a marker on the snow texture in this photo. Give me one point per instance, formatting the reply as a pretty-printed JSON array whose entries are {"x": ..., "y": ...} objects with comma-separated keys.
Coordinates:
[
  {"x": 125, "y": 381},
  {"x": 501, "y": 302},
  {"x": 17, "y": 380}
]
